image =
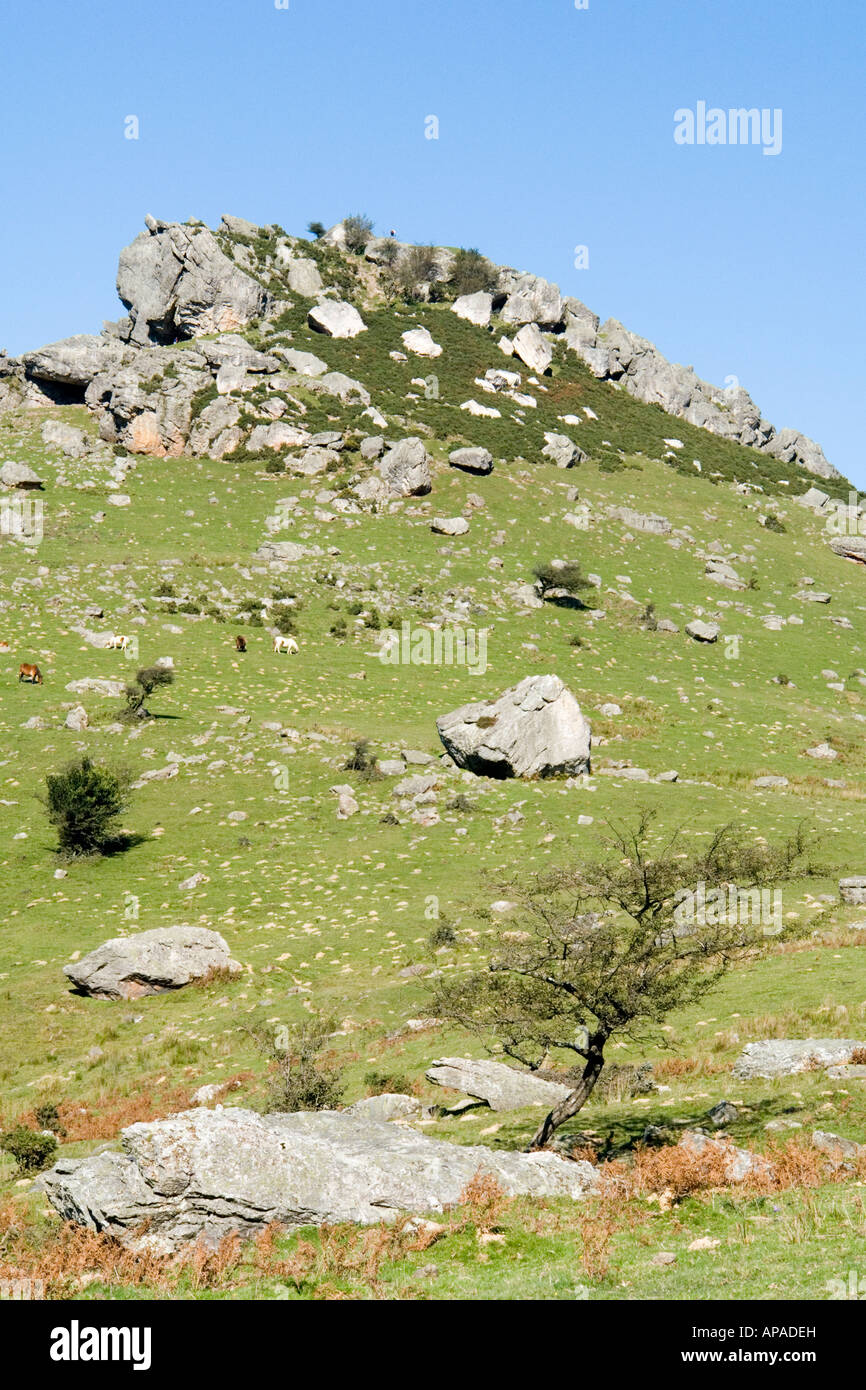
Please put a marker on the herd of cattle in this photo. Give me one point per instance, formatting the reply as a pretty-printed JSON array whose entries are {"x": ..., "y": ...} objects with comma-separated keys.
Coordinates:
[{"x": 31, "y": 674}]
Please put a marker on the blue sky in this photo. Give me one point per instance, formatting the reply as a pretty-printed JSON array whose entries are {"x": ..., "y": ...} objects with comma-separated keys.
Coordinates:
[{"x": 555, "y": 130}]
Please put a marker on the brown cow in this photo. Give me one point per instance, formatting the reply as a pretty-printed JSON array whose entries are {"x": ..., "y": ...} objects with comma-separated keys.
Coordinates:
[
  {"x": 240, "y": 644},
  {"x": 28, "y": 672}
]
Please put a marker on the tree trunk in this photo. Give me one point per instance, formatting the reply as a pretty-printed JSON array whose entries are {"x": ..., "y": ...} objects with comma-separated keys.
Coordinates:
[{"x": 569, "y": 1107}]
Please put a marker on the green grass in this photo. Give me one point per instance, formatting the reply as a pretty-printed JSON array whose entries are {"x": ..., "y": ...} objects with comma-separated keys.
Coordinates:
[{"x": 326, "y": 913}]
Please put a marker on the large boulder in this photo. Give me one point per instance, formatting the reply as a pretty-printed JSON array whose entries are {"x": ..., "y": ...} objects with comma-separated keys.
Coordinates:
[
  {"x": 336, "y": 319},
  {"x": 474, "y": 308},
  {"x": 303, "y": 276},
  {"x": 19, "y": 475},
  {"x": 700, "y": 631},
  {"x": 176, "y": 282},
  {"x": 532, "y": 300},
  {"x": 851, "y": 547},
  {"x": 529, "y": 345},
  {"x": 535, "y": 729},
  {"x": 405, "y": 469},
  {"x": 502, "y": 1087},
  {"x": 209, "y": 1173},
  {"x": 421, "y": 342},
  {"x": 789, "y": 1056},
  {"x": 71, "y": 364},
  {"x": 472, "y": 460},
  {"x": 562, "y": 450},
  {"x": 150, "y": 962}
]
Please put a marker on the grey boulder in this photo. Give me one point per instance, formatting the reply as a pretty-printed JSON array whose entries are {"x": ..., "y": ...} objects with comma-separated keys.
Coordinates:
[
  {"x": 208, "y": 1173},
  {"x": 337, "y": 319},
  {"x": 19, "y": 475},
  {"x": 176, "y": 282},
  {"x": 474, "y": 308},
  {"x": 150, "y": 962},
  {"x": 789, "y": 1056},
  {"x": 405, "y": 469},
  {"x": 534, "y": 729},
  {"x": 502, "y": 1087},
  {"x": 474, "y": 460},
  {"x": 703, "y": 632}
]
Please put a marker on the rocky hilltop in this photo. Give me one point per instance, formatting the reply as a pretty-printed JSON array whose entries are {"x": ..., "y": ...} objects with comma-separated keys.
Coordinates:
[{"x": 234, "y": 295}]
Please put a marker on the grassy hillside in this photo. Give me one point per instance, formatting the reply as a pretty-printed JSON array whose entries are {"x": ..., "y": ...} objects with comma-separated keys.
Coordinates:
[{"x": 330, "y": 915}]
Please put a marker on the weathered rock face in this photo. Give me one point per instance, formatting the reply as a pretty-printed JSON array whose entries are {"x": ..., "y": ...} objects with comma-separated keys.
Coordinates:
[
  {"x": 788, "y": 1056},
  {"x": 531, "y": 300},
  {"x": 390, "y": 1105},
  {"x": 62, "y": 371},
  {"x": 535, "y": 729},
  {"x": 850, "y": 547},
  {"x": 475, "y": 308},
  {"x": 175, "y": 282},
  {"x": 207, "y": 1173},
  {"x": 562, "y": 450},
  {"x": 502, "y": 1087},
  {"x": 150, "y": 962},
  {"x": 612, "y": 353},
  {"x": 449, "y": 525},
  {"x": 531, "y": 348},
  {"x": 739, "y": 1164},
  {"x": 853, "y": 890},
  {"x": 405, "y": 469},
  {"x": 651, "y": 524}
]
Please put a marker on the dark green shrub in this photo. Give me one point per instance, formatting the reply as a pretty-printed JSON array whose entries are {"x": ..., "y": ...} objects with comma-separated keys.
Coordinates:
[
  {"x": 567, "y": 577},
  {"x": 419, "y": 267},
  {"x": 31, "y": 1151},
  {"x": 359, "y": 230},
  {"x": 83, "y": 803},
  {"x": 148, "y": 680},
  {"x": 299, "y": 1078},
  {"x": 283, "y": 619},
  {"x": 471, "y": 273},
  {"x": 378, "y": 1083},
  {"x": 48, "y": 1117},
  {"x": 360, "y": 760},
  {"x": 443, "y": 934}
]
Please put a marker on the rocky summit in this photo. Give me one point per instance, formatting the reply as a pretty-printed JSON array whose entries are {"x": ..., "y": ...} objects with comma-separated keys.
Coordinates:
[{"x": 183, "y": 282}]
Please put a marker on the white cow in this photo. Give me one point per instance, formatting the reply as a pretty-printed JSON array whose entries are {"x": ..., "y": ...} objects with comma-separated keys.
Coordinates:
[
  {"x": 119, "y": 641},
  {"x": 285, "y": 644}
]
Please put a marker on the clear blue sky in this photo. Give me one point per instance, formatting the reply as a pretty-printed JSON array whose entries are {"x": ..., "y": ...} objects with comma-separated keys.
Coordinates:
[{"x": 556, "y": 129}]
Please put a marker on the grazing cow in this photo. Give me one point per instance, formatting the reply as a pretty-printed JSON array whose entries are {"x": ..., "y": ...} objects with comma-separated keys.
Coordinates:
[
  {"x": 5, "y": 647},
  {"x": 285, "y": 644},
  {"x": 118, "y": 641},
  {"x": 28, "y": 672},
  {"x": 240, "y": 643}
]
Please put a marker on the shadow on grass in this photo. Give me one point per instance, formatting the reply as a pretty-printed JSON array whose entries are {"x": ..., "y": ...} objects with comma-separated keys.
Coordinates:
[
  {"x": 109, "y": 849},
  {"x": 616, "y": 1134}
]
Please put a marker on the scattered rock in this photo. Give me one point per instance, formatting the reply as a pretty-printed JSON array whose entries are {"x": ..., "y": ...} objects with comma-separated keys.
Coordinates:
[
  {"x": 150, "y": 962},
  {"x": 789, "y": 1056}
]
